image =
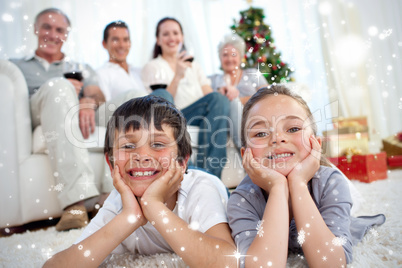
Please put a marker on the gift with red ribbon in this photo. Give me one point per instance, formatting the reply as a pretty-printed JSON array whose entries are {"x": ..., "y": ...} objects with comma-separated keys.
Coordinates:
[{"x": 365, "y": 167}]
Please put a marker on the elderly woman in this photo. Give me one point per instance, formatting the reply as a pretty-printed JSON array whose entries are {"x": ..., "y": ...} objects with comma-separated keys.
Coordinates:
[{"x": 237, "y": 84}]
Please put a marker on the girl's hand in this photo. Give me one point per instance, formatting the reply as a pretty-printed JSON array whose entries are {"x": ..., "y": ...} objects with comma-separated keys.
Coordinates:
[
  {"x": 182, "y": 64},
  {"x": 163, "y": 188},
  {"x": 305, "y": 170},
  {"x": 131, "y": 206},
  {"x": 262, "y": 176}
]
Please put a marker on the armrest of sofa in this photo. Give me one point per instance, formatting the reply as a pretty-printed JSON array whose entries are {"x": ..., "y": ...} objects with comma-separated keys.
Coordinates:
[
  {"x": 15, "y": 136},
  {"x": 15, "y": 109}
]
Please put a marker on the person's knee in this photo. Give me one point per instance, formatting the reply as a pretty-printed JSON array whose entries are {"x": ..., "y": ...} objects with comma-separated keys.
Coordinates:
[
  {"x": 218, "y": 101},
  {"x": 59, "y": 88},
  {"x": 164, "y": 94}
]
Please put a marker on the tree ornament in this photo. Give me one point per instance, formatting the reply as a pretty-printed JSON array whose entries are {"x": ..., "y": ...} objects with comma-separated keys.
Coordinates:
[
  {"x": 260, "y": 40},
  {"x": 260, "y": 51}
]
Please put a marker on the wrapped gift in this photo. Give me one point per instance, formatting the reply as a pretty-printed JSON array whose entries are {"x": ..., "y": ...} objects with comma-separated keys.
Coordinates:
[
  {"x": 365, "y": 168},
  {"x": 337, "y": 141},
  {"x": 341, "y": 122},
  {"x": 394, "y": 161},
  {"x": 393, "y": 145}
]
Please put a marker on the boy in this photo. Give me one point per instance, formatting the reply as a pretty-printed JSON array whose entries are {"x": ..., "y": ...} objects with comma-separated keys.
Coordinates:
[{"x": 155, "y": 207}]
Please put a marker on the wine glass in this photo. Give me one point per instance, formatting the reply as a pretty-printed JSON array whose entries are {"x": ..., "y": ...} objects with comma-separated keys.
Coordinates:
[
  {"x": 189, "y": 50},
  {"x": 158, "y": 80},
  {"x": 73, "y": 70}
]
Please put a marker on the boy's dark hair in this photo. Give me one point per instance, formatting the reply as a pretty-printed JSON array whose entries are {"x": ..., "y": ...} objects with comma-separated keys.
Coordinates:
[
  {"x": 114, "y": 24},
  {"x": 140, "y": 113},
  {"x": 157, "y": 49},
  {"x": 276, "y": 90}
]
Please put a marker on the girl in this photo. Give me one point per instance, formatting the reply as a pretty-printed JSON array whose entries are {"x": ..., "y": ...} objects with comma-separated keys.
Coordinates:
[
  {"x": 192, "y": 93},
  {"x": 292, "y": 198}
]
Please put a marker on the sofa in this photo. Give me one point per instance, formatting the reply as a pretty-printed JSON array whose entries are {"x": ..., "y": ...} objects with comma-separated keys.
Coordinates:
[{"x": 27, "y": 185}]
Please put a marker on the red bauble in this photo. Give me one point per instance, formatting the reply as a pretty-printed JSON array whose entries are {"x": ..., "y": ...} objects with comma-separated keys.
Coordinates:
[
  {"x": 399, "y": 136},
  {"x": 274, "y": 68}
]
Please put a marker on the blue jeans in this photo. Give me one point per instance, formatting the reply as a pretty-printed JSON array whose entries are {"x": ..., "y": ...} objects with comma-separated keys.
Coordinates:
[
  {"x": 211, "y": 115},
  {"x": 163, "y": 93}
]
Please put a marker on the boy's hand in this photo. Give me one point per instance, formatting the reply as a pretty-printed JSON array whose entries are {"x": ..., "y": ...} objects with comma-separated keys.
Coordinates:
[
  {"x": 130, "y": 203},
  {"x": 262, "y": 176},
  {"x": 305, "y": 170},
  {"x": 164, "y": 187}
]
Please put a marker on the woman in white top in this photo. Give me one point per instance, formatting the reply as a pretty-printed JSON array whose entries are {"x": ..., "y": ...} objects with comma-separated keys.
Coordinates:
[{"x": 192, "y": 93}]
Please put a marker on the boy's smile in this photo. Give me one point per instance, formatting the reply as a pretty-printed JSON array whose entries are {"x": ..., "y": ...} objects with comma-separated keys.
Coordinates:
[
  {"x": 144, "y": 155},
  {"x": 278, "y": 133}
]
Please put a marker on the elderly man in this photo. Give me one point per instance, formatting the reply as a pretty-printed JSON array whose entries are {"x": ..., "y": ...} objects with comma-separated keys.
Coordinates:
[{"x": 52, "y": 97}]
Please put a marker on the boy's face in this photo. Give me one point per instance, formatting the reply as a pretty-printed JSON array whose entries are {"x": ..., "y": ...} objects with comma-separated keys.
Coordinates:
[
  {"x": 144, "y": 155},
  {"x": 278, "y": 131}
]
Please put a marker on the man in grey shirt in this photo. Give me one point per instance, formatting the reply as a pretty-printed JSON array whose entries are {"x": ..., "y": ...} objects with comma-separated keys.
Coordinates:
[{"x": 52, "y": 98}]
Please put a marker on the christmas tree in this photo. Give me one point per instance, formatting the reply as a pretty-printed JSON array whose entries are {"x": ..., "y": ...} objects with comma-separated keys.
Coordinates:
[{"x": 260, "y": 48}]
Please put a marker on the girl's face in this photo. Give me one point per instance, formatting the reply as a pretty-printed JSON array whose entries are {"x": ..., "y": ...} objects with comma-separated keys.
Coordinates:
[
  {"x": 278, "y": 131},
  {"x": 169, "y": 37},
  {"x": 230, "y": 59}
]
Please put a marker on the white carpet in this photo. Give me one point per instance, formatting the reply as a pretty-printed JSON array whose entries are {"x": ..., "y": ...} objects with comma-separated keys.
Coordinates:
[{"x": 381, "y": 247}]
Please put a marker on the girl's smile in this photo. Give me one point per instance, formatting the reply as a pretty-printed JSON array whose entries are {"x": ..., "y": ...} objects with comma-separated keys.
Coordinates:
[{"x": 278, "y": 133}]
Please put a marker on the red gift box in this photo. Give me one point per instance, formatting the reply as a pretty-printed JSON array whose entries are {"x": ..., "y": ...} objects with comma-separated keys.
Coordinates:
[
  {"x": 395, "y": 161},
  {"x": 365, "y": 168}
]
